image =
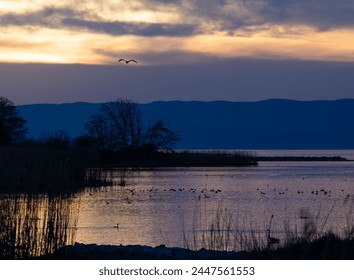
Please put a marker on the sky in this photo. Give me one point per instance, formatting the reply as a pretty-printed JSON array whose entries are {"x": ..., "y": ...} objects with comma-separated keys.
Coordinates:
[{"x": 237, "y": 50}]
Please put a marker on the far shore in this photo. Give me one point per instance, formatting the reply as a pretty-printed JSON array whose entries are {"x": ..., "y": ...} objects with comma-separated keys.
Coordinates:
[
  {"x": 206, "y": 159},
  {"x": 301, "y": 158}
]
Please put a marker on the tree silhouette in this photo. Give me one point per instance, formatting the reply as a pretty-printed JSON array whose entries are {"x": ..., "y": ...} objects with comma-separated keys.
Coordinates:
[
  {"x": 119, "y": 126},
  {"x": 12, "y": 126},
  {"x": 160, "y": 136},
  {"x": 56, "y": 140},
  {"x": 99, "y": 128},
  {"x": 125, "y": 117}
]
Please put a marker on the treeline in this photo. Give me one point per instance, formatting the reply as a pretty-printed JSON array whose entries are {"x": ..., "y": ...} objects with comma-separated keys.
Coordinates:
[
  {"x": 55, "y": 163},
  {"x": 118, "y": 131},
  {"x": 117, "y": 136}
]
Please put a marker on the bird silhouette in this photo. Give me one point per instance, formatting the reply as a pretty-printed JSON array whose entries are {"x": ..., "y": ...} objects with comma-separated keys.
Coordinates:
[
  {"x": 272, "y": 240},
  {"x": 127, "y": 61},
  {"x": 117, "y": 226}
]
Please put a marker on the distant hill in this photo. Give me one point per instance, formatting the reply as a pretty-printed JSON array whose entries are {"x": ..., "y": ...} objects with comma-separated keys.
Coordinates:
[{"x": 269, "y": 124}]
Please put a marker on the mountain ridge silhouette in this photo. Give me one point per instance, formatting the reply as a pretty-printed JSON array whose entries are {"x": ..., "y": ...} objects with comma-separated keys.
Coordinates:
[{"x": 267, "y": 124}]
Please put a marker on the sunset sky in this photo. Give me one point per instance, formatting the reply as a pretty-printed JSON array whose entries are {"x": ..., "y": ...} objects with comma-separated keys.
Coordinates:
[{"x": 236, "y": 50}]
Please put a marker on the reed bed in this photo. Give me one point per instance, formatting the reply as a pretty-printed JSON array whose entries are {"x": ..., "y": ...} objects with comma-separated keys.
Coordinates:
[
  {"x": 219, "y": 230},
  {"x": 34, "y": 225},
  {"x": 40, "y": 170},
  {"x": 97, "y": 177},
  {"x": 38, "y": 204}
]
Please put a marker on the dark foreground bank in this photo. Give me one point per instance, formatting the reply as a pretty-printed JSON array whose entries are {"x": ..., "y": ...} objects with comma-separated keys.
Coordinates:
[
  {"x": 135, "y": 252},
  {"x": 328, "y": 247}
]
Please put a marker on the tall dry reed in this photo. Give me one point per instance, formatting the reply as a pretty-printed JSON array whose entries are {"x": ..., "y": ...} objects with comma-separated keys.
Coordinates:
[
  {"x": 220, "y": 230},
  {"x": 33, "y": 225},
  {"x": 40, "y": 170}
]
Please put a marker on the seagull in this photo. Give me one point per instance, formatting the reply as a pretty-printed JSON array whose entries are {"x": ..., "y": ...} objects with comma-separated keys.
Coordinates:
[{"x": 127, "y": 61}]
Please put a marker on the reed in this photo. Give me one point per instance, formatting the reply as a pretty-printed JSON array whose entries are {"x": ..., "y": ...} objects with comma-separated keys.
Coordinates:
[
  {"x": 37, "y": 208},
  {"x": 219, "y": 230},
  {"x": 41, "y": 170},
  {"x": 34, "y": 225},
  {"x": 97, "y": 177}
]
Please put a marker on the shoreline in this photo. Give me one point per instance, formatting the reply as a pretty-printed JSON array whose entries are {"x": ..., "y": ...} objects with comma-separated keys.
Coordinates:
[
  {"x": 301, "y": 158},
  {"x": 324, "y": 247},
  {"x": 80, "y": 251},
  {"x": 188, "y": 159}
]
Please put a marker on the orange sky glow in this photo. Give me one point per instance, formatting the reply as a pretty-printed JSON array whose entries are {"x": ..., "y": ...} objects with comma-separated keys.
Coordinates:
[{"x": 95, "y": 32}]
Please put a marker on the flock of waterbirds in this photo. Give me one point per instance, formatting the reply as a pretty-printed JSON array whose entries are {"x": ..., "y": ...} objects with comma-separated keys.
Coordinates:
[
  {"x": 131, "y": 196},
  {"x": 322, "y": 191},
  {"x": 204, "y": 192},
  {"x": 129, "y": 193}
]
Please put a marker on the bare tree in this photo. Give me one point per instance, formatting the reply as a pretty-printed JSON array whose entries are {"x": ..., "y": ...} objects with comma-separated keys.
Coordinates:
[
  {"x": 57, "y": 140},
  {"x": 12, "y": 126},
  {"x": 125, "y": 116},
  {"x": 160, "y": 136},
  {"x": 100, "y": 129},
  {"x": 119, "y": 126}
]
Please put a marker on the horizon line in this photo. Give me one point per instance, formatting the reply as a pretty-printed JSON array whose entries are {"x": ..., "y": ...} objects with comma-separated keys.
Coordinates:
[{"x": 193, "y": 101}]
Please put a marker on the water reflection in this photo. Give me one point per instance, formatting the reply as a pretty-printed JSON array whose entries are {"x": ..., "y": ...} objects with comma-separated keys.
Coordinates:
[
  {"x": 34, "y": 225},
  {"x": 187, "y": 207},
  {"x": 214, "y": 208}
]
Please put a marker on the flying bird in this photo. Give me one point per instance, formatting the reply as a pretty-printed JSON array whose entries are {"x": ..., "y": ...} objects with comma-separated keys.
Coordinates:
[{"x": 127, "y": 61}]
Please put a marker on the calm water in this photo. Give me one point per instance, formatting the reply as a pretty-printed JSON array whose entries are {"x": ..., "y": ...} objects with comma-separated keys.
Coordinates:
[{"x": 159, "y": 206}]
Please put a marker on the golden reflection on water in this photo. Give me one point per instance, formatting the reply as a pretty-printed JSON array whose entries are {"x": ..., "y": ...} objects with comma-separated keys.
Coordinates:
[
  {"x": 182, "y": 207},
  {"x": 33, "y": 225},
  {"x": 167, "y": 206}
]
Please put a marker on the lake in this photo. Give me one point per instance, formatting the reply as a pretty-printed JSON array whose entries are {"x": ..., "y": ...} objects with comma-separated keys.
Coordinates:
[{"x": 176, "y": 206}]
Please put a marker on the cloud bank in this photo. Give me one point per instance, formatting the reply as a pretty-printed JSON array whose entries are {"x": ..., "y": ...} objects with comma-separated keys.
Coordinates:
[
  {"x": 274, "y": 29},
  {"x": 194, "y": 16}
]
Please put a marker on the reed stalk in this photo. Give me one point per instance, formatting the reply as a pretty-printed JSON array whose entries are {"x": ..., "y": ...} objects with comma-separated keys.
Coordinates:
[{"x": 34, "y": 225}]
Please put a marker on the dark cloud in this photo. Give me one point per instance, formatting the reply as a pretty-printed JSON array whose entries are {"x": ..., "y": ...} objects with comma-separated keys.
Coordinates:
[
  {"x": 230, "y": 15},
  {"x": 200, "y": 16},
  {"x": 324, "y": 14},
  {"x": 49, "y": 17},
  {"x": 59, "y": 18},
  {"x": 124, "y": 28}
]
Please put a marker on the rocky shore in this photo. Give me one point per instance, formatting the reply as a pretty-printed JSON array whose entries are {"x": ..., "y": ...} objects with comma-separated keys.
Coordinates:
[
  {"x": 80, "y": 251},
  {"x": 326, "y": 247}
]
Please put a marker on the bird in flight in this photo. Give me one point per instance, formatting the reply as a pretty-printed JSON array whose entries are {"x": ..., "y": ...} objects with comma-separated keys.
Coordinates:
[{"x": 127, "y": 61}]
